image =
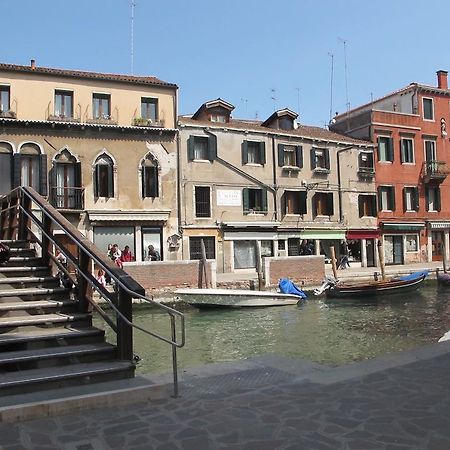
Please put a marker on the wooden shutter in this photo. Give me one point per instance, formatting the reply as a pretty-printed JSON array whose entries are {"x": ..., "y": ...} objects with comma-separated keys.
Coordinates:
[
  {"x": 416, "y": 199},
  {"x": 374, "y": 205},
  {"x": 299, "y": 156},
  {"x": 284, "y": 210},
  {"x": 43, "y": 189},
  {"x": 330, "y": 205},
  {"x": 378, "y": 148},
  {"x": 392, "y": 198},
  {"x": 326, "y": 154},
  {"x": 244, "y": 152},
  {"x": 96, "y": 180},
  {"x": 190, "y": 147},
  {"x": 313, "y": 158},
  {"x": 212, "y": 148},
  {"x": 405, "y": 208},
  {"x": 245, "y": 200},
  {"x": 264, "y": 207},
  {"x": 427, "y": 198},
  {"x": 361, "y": 205},
  {"x": 110, "y": 180},
  {"x": 262, "y": 152},
  {"x": 380, "y": 199},
  {"x": 438, "y": 199},
  {"x": 390, "y": 149},
  {"x": 402, "y": 151},
  {"x": 314, "y": 204},
  {"x": 17, "y": 166},
  {"x": 280, "y": 155},
  {"x": 303, "y": 209},
  {"x": 53, "y": 184}
]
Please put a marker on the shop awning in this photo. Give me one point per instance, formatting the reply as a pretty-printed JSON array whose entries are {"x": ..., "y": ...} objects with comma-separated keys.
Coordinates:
[
  {"x": 403, "y": 226},
  {"x": 439, "y": 225},
  {"x": 362, "y": 234},
  {"x": 128, "y": 216},
  {"x": 323, "y": 234},
  {"x": 253, "y": 224}
]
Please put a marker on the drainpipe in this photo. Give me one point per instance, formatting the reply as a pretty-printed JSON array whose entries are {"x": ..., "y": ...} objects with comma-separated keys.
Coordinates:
[
  {"x": 275, "y": 185},
  {"x": 338, "y": 153},
  {"x": 178, "y": 138}
]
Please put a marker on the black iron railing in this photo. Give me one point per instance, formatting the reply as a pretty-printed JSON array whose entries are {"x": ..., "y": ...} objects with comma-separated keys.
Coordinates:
[
  {"x": 67, "y": 197},
  {"x": 435, "y": 170}
]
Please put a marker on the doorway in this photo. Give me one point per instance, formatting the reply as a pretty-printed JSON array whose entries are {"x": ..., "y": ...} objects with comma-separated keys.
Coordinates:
[{"x": 393, "y": 249}]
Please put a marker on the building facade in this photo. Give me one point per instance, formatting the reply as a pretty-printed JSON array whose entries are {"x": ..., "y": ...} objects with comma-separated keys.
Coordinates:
[
  {"x": 272, "y": 188},
  {"x": 409, "y": 127},
  {"x": 102, "y": 147}
]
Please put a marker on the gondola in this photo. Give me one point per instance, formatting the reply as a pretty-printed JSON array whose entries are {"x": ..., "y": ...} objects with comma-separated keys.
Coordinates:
[
  {"x": 337, "y": 289},
  {"x": 444, "y": 278}
]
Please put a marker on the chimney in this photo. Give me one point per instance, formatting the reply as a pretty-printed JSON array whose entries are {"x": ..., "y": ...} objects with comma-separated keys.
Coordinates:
[
  {"x": 33, "y": 64},
  {"x": 442, "y": 79}
]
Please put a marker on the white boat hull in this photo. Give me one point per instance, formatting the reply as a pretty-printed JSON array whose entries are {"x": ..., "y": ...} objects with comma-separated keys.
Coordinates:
[{"x": 234, "y": 298}]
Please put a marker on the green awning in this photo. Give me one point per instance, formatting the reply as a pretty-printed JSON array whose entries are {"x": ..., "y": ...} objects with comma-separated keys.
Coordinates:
[
  {"x": 323, "y": 234},
  {"x": 403, "y": 226}
]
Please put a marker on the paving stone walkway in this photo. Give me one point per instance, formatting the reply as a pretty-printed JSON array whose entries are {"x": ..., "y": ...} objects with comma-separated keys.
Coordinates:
[{"x": 274, "y": 404}]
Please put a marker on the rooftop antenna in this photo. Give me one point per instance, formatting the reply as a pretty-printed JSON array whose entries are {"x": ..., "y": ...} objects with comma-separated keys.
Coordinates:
[
  {"x": 344, "y": 43},
  {"x": 245, "y": 100},
  {"x": 274, "y": 99},
  {"x": 132, "y": 4},
  {"x": 331, "y": 84}
]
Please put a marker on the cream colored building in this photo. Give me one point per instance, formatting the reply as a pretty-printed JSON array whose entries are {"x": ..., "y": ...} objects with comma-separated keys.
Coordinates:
[
  {"x": 274, "y": 187},
  {"x": 101, "y": 146}
]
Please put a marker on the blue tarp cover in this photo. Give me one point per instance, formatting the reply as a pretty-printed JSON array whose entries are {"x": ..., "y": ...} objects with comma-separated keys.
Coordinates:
[
  {"x": 413, "y": 276},
  {"x": 288, "y": 287}
]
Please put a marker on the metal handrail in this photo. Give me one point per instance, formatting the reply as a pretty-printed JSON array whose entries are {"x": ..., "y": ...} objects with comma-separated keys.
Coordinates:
[{"x": 106, "y": 264}]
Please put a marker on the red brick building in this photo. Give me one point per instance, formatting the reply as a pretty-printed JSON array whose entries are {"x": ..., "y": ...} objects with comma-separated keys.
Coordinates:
[{"x": 412, "y": 164}]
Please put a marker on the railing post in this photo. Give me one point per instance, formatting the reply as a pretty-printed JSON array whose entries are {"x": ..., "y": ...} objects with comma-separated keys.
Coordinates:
[
  {"x": 46, "y": 243},
  {"x": 124, "y": 331},
  {"x": 24, "y": 220},
  {"x": 84, "y": 288}
]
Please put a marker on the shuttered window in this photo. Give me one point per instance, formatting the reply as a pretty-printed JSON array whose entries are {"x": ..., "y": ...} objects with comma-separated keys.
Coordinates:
[
  {"x": 253, "y": 152},
  {"x": 386, "y": 198},
  {"x": 323, "y": 204},
  {"x": 385, "y": 149},
  {"x": 202, "y": 201},
  {"x": 254, "y": 200},
  {"x": 367, "y": 205}
]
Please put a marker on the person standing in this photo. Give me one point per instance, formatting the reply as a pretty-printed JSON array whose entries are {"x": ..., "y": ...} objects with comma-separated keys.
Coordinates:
[
  {"x": 127, "y": 256},
  {"x": 153, "y": 254}
]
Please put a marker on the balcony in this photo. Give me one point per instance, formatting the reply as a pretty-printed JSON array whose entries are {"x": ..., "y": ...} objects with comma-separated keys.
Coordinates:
[
  {"x": 62, "y": 118},
  {"x": 8, "y": 114},
  {"x": 435, "y": 171},
  {"x": 143, "y": 122},
  {"x": 103, "y": 119},
  {"x": 366, "y": 172},
  {"x": 67, "y": 198}
]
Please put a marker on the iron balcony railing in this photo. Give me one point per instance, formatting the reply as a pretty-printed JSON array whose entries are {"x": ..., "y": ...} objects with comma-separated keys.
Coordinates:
[
  {"x": 366, "y": 171},
  {"x": 435, "y": 171},
  {"x": 67, "y": 197},
  {"x": 144, "y": 122}
]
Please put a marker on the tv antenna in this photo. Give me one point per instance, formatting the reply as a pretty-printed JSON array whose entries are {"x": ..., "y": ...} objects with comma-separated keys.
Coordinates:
[
  {"x": 331, "y": 83},
  {"x": 245, "y": 101},
  {"x": 344, "y": 43},
  {"x": 132, "y": 5},
  {"x": 274, "y": 99}
]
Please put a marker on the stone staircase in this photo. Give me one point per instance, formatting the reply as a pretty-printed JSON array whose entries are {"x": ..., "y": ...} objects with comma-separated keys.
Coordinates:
[{"x": 46, "y": 342}]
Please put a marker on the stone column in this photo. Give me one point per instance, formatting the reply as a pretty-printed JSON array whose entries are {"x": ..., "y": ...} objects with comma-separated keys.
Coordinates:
[
  {"x": 429, "y": 247},
  {"x": 138, "y": 243},
  {"x": 363, "y": 253}
]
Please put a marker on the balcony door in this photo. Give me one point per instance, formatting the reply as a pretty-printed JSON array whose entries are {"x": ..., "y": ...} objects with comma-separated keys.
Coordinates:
[
  {"x": 6, "y": 168},
  {"x": 66, "y": 182}
]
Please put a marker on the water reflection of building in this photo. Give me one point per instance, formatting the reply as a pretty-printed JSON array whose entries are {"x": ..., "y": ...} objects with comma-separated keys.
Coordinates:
[
  {"x": 412, "y": 164},
  {"x": 270, "y": 185}
]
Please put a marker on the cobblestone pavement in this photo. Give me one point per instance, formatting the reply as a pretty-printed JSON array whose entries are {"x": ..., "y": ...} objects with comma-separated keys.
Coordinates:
[{"x": 399, "y": 408}]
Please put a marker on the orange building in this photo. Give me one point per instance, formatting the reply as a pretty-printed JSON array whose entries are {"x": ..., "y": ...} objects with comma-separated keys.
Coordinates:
[{"x": 412, "y": 164}]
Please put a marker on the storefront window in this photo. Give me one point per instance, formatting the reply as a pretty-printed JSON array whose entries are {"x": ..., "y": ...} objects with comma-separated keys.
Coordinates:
[
  {"x": 122, "y": 236},
  {"x": 412, "y": 243},
  {"x": 151, "y": 236},
  {"x": 244, "y": 254}
]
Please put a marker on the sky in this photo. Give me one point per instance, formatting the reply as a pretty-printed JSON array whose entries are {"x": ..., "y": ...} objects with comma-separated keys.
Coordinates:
[{"x": 257, "y": 55}]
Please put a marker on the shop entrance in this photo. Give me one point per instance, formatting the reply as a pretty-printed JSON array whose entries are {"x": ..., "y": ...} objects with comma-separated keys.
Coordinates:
[
  {"x": 393, "y": 249},
  {"x": 437, "y": 245}
]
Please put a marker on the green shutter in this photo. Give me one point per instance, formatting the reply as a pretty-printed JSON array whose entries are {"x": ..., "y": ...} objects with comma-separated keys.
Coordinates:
[
  {"x": 391, "y": 149},
  {"x": 190, "y": 146},
  {"x": 245, "y": 200},
  {"x": 416, "y": 199},
  {"x": 326, "y": 154},
  {"x": 262, "y": 152},
  {"x": 299, "y": 156},
  {"x": 17, "y": 164},
  {"x": 313, "y": 159},
  {"x": 404, "y": 200},
  {"x": 380, "y": 203},
  {"x": 212, "y": 148},
  {"x": 330, "y": 205},
  {"x": 244, "y": 152},
  {"x": 96, "y": 180},
  {"x": 392, "y": 198},
  {"x": 438, "y": 199},
  {"x": 361, "y": 205},
  {"x": 303, "y": 205},
  {"x": 264, "y": 207},
  {"x": 378, "y": 149},
  {"x": 280, "y": 155},
  {"x": 43, "y": 175}
]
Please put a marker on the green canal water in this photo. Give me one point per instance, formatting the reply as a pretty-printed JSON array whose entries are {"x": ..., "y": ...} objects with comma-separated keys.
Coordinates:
[{"x": 333, "y": 334}]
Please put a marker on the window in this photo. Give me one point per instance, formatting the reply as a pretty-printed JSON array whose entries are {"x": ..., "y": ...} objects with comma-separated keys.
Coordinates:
[
  {"x": 428, "y": 109},
  {"x": 101, "y": 106},
  {"x": 4, "y": 99},
  {"x": 385, "y": 149},
  {"x": 104, "y": 177},
  {"x": 294, "y": 202},
  {"x": 286, "y": 123},
  {"x": 386, "y": 198},
  {"x": 65, "y": 181},
  {"x": 202, "y": 148},
  {"x": 430, "y": 151},
  {"x": 411, "y": 198},
  {"x": 218, "y": 118},
  {"x": 195, "y": 247},
  {"x": 407, "y": 150},
  {"x": 412, "y": 243},
  {"x": 320, "y": 159},
  {"x": 254, "y": 200},
  {"x": 367, "y": 205},
  {"x": 290, "y": 156},
  {"x": 30, "y": 168},
  {"x": 64, "y": 104},
  {"x": 323, "y": 204},
  {"x": 293, "y": 247},
  {"x": 202, "y": 201},
  {"x": 6, "y": 168},
  {"x": 253, "y": 152},
  {"x": 150, "y": 179},
  {"x": 365, "y": 162},
  {"x": 149, "y": 108},
  {"x": 433, "y": 199}
]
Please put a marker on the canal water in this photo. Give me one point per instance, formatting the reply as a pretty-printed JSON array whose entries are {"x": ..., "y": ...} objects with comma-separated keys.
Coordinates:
[{"x": 327, "y": 333}]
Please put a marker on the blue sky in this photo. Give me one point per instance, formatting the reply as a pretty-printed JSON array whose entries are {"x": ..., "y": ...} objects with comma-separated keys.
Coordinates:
[{"x": 240, "y": 50}]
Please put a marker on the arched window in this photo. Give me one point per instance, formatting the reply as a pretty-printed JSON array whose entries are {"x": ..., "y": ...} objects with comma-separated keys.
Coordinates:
[
  {"x": 30, "y": 168},
  {"x": 104, "y": 176},
  {"x": 6, "y": 167},
  {"x": 150, "y": 184},
  {"x": 65, "y": 191}
]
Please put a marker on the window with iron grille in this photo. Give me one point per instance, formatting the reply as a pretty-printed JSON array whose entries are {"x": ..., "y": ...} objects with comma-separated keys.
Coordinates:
[
  {"x": 195, "y": 247},
  {"x": 202, "y": 201}
]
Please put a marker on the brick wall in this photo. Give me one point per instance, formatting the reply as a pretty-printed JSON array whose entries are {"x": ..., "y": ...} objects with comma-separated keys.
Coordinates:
[
  {"x": 161, "y": 275},
  {"x": 309, "y": 270}
]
